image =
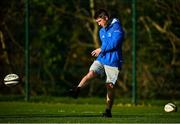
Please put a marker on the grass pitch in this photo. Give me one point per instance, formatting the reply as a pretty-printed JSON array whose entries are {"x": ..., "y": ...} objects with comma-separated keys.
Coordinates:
[{"x": 77, "y": 111}]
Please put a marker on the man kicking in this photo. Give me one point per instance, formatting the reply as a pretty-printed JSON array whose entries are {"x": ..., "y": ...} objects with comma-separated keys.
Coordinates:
[{"x": 109, "y": 57}]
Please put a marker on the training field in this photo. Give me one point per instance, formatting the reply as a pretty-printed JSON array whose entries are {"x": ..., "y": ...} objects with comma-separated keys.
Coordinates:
[{"x": 83, "y": 110}]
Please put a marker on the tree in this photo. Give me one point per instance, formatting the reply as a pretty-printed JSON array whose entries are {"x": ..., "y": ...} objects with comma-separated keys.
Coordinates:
[{"x": 63, "y": 34}]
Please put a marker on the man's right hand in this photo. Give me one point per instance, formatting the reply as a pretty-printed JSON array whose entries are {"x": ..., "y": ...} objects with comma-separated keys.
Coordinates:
[{"x": 96, "y": 52}]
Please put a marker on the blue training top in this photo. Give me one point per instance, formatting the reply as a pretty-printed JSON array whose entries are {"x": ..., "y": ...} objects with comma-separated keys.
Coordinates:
[{"x": 111, "y": 48}]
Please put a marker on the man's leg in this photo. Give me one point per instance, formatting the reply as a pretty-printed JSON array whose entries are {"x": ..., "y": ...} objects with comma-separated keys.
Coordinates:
[
  {"x": 86, "y": 78},
  {"x": 95, "y": 69},
  {"x": 75, "y": 91},
  {"x": 112, "y": 75},
  {"x": 110, "y": 95},
  {"x": 109, "y": 99}
]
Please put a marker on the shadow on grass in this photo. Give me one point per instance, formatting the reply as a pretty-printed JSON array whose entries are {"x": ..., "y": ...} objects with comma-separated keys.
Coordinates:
[{"x": 97, "y": 118}]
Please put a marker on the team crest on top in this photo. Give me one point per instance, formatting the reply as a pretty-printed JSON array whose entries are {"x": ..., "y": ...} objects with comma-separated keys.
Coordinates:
[{"x": 109, "y": 34}]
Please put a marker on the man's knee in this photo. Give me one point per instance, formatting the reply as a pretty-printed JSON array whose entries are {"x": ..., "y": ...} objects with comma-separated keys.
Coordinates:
[
  {"x": 110, "y": 92},
  {"x": 109, "y": 86},
  {"x": 91, "y": 74}
]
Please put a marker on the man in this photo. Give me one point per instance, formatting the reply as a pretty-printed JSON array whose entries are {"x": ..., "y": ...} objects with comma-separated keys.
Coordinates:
[{"x": 109, "y": 57}]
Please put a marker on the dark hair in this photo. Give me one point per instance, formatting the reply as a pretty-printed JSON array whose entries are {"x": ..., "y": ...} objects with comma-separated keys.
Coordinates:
[{"x": 101, "y": 13}]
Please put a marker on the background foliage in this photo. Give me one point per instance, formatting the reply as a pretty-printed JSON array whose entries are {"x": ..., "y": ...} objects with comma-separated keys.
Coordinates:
[{"x": 63, "y": 34}]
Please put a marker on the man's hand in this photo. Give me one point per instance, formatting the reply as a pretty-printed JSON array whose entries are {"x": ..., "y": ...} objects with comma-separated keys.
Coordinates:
[{"x": 96, "y": 52}]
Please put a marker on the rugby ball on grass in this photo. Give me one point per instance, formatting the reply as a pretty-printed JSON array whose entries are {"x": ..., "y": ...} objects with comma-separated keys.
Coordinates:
[
  {"x": 11, "y": 79},
  {"x": 170, "y": 107}
]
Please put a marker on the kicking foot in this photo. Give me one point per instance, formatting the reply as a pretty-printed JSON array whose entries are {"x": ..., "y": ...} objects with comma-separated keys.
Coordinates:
[
  {"x": 107, "y": 113},
  {"x": 74, "y": 92}
]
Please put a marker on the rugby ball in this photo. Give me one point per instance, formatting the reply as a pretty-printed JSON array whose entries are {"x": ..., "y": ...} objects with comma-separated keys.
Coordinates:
[
  {"x": 170, "y": 107},
  {"x": 11, "y": 79}
]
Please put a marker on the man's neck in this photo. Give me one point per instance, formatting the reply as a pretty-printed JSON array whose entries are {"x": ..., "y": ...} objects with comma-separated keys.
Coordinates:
[{"x": 108, "y": 23}]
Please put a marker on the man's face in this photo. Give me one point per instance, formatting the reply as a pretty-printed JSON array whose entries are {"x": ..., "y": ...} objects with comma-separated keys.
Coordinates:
[{"x": 102, "y": 22}]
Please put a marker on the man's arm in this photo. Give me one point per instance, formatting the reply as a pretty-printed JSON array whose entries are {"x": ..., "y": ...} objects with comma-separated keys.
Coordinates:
[{"x": 96, "y": 52}]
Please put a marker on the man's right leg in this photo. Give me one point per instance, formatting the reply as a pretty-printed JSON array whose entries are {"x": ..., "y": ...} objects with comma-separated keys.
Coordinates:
[
  {"x": 91, "y": 74},
  {"x": 95, "y": 69},
  {"x": 84, "y": 81}
]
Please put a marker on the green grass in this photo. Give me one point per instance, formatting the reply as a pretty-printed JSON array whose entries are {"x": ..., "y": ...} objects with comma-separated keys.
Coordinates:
[{"x": 67, "y": 110}]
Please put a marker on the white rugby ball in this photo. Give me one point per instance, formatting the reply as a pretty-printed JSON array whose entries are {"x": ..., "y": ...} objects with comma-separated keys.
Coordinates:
[
  {"x": 170, "y": 107},
  {"x": 11, "y": 79}
]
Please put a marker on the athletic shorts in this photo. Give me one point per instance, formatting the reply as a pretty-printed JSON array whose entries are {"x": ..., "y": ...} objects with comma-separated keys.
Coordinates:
[{"x": 110, "y": 72}]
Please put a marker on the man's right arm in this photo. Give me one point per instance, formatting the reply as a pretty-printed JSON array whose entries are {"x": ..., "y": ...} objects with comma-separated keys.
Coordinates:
[{"x": 115, "y": 41}]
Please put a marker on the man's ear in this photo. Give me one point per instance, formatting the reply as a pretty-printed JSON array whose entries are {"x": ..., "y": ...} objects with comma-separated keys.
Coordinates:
[{"x": 106, "y": 18}]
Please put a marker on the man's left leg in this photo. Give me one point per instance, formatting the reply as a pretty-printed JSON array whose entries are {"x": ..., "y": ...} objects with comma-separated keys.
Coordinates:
[
  {"x": 112, "y": 75},
  {"x": 109, "y": 99}
]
